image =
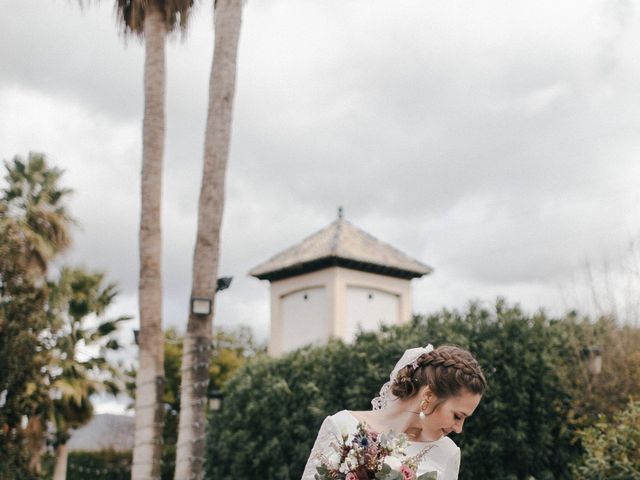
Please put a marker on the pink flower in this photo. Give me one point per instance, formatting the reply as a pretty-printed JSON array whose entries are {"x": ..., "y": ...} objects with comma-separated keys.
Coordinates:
[
  {"x": 351, "y": 476},
  {"x": 406, "y": 472}
]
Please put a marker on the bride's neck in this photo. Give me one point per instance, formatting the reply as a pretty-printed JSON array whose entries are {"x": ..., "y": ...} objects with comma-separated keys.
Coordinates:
[
  {"x": 400, "y": 419},
  {"x": 404, "y": 417}
]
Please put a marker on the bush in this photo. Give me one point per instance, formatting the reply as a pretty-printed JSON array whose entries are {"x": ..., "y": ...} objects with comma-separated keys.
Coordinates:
[
  {"x": 274, "y": 407},
  {"x": 609, "y": 392},
  {"x": 99, "y": 465},
  {"x": 612, "y": 448}
]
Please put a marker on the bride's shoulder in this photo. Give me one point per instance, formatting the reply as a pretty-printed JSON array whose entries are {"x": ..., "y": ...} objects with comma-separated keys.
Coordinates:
[
  {"x": 447, "y": 447},
  {"x": 344, "y": 420},
  {"x": 343, "y": 416}
]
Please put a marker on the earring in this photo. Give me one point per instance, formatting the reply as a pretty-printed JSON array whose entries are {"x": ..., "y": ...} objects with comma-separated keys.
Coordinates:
[{"x": 423, "y": 406}]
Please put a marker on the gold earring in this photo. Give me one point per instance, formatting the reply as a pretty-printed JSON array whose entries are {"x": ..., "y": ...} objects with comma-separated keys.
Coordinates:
[{"x": 423, "y": 406}]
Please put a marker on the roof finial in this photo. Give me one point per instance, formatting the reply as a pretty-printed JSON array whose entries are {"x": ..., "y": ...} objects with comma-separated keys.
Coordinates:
[{"x": 340, "y": 213}]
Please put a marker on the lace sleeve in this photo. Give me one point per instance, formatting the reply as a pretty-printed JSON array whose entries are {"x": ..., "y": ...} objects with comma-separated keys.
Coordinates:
[
  {"x": 452, "y": 468},
  {"x": 328, "y": 433}
]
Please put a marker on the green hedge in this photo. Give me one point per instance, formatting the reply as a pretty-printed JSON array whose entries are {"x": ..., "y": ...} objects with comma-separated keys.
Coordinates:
[
  {"x": 99, "y": 465},
  {"x": 612, "y": 448},
  {"x": 274, "y": 407}
]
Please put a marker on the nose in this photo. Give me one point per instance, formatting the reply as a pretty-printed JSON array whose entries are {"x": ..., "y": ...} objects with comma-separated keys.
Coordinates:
[{"x": 457, "y": 427}]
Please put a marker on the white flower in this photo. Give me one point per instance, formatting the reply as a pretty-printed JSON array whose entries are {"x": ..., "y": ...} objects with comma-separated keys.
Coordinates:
[
  {"x": 393, "y": 462},
  {"x": 333, "y": 458}
]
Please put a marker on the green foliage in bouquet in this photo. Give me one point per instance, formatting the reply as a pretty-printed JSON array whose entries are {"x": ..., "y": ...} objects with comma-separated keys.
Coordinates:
[
  {"x": 612, "y": 448},
  {"x": 387, "y": 474},
  {"x": 524, "y": 427}
]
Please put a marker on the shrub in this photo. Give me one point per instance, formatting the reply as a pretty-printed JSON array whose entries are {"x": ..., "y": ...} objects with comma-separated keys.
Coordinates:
[
  {"x": 274, "y": 407},
  {"x": 99, "y": 465},
  {"x": 612, "y": 448},
  {"x": 619, "y": 346}
]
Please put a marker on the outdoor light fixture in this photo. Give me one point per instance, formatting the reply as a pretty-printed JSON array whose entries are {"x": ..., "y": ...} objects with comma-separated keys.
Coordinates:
[
  {"x": 593, "y": 356},
  {"x": 223, "y": 283},
  {"x": 595, "y": 360},
  {"x": 201, "y": 306},
  {"x": 215, "y": 400}
]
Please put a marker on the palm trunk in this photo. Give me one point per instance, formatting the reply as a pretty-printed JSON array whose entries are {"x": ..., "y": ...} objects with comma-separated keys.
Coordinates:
[
  {"x": 60, "y": 470},
  {"x": 147, "y": 448},
  {"x": 34, "y": 434},
  {"x": 197, "y": 345}
]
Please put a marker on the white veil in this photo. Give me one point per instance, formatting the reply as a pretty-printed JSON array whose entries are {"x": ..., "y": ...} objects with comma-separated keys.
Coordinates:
[{"x": 410, "y": 356}]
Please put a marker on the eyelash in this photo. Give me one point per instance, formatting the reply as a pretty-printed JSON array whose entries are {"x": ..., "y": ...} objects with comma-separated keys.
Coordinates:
[{"x": 457, "y": 417}]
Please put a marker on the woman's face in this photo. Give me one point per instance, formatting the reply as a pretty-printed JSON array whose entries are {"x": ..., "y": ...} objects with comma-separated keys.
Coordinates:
[{"x": 449, "y": 415}]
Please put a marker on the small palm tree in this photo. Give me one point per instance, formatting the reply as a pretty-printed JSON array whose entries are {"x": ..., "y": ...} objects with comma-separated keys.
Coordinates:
[
  {"x": 73, "y": 360},
  {"x": 151, "y": 18},
  {"x": 76, "y": 373},
  {"x": 196, "y": 357},
  {"x": 33, "y": 201}
]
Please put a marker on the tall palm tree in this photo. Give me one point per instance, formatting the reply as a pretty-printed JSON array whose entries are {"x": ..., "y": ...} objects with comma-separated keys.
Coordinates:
[
  {"x": 153, "y": 18},
  {"x": 196, "y": 356}
]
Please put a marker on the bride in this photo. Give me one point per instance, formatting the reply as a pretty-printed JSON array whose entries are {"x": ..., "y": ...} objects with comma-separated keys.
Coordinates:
[{"x": 430, "y": 393}]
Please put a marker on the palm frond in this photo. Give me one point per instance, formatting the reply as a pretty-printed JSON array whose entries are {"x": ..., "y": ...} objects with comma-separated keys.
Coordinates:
[{"x": 131, "y": 14}]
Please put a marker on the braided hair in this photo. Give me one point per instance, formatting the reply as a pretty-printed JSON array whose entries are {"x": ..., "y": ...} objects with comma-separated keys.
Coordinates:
[{"x": 447, "y": 370}]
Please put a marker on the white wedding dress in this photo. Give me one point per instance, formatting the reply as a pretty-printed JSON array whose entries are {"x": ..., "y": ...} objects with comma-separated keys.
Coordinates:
[{"x": 444, "y": 456}]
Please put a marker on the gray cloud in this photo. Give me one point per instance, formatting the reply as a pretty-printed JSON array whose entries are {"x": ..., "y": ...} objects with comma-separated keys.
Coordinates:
[{"x": 496, "y": 142}]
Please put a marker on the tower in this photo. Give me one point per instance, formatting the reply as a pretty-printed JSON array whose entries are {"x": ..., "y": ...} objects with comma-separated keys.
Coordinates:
[{"x": 335, "y": 282}]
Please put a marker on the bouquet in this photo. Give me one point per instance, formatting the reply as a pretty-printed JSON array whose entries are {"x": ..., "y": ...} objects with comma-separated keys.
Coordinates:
[{"x": 368, "y": 455}]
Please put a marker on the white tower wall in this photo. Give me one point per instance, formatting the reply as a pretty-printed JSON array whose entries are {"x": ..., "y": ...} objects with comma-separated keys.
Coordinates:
[{"x": 339, "y": 302}]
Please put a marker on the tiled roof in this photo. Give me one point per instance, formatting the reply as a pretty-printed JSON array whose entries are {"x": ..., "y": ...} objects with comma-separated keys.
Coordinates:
[{"x": 340, "y": 244}]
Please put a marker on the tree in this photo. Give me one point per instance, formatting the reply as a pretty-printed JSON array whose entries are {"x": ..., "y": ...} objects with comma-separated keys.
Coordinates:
[
  {"x": 45, "y": 325},
  {"x": 153, "y": 18},
  {"x": 191, "y": 433},
  {"x": 21, "y": 318},
  {"x": 612, "y": 447},
  {"x": 33, "y": 203},
  {"x": 231, "y": 349},
  {"x": 77, "y": 366},
  {"x": 34, "y": 228}
]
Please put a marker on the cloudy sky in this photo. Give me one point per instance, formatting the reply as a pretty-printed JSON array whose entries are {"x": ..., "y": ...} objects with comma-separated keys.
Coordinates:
[{"x": 497, "y": 141}]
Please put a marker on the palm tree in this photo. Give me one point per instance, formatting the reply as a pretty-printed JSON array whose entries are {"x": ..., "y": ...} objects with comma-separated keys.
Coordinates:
[
  {"x": 153, "y": 18},
  {"x": 34, "y": 204},
  {"x": 74, "y": 370},
  {"x": 191, "y": 433},
  {"x": 71, "y": 356},
  {"x": 35, "y": 228}
]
